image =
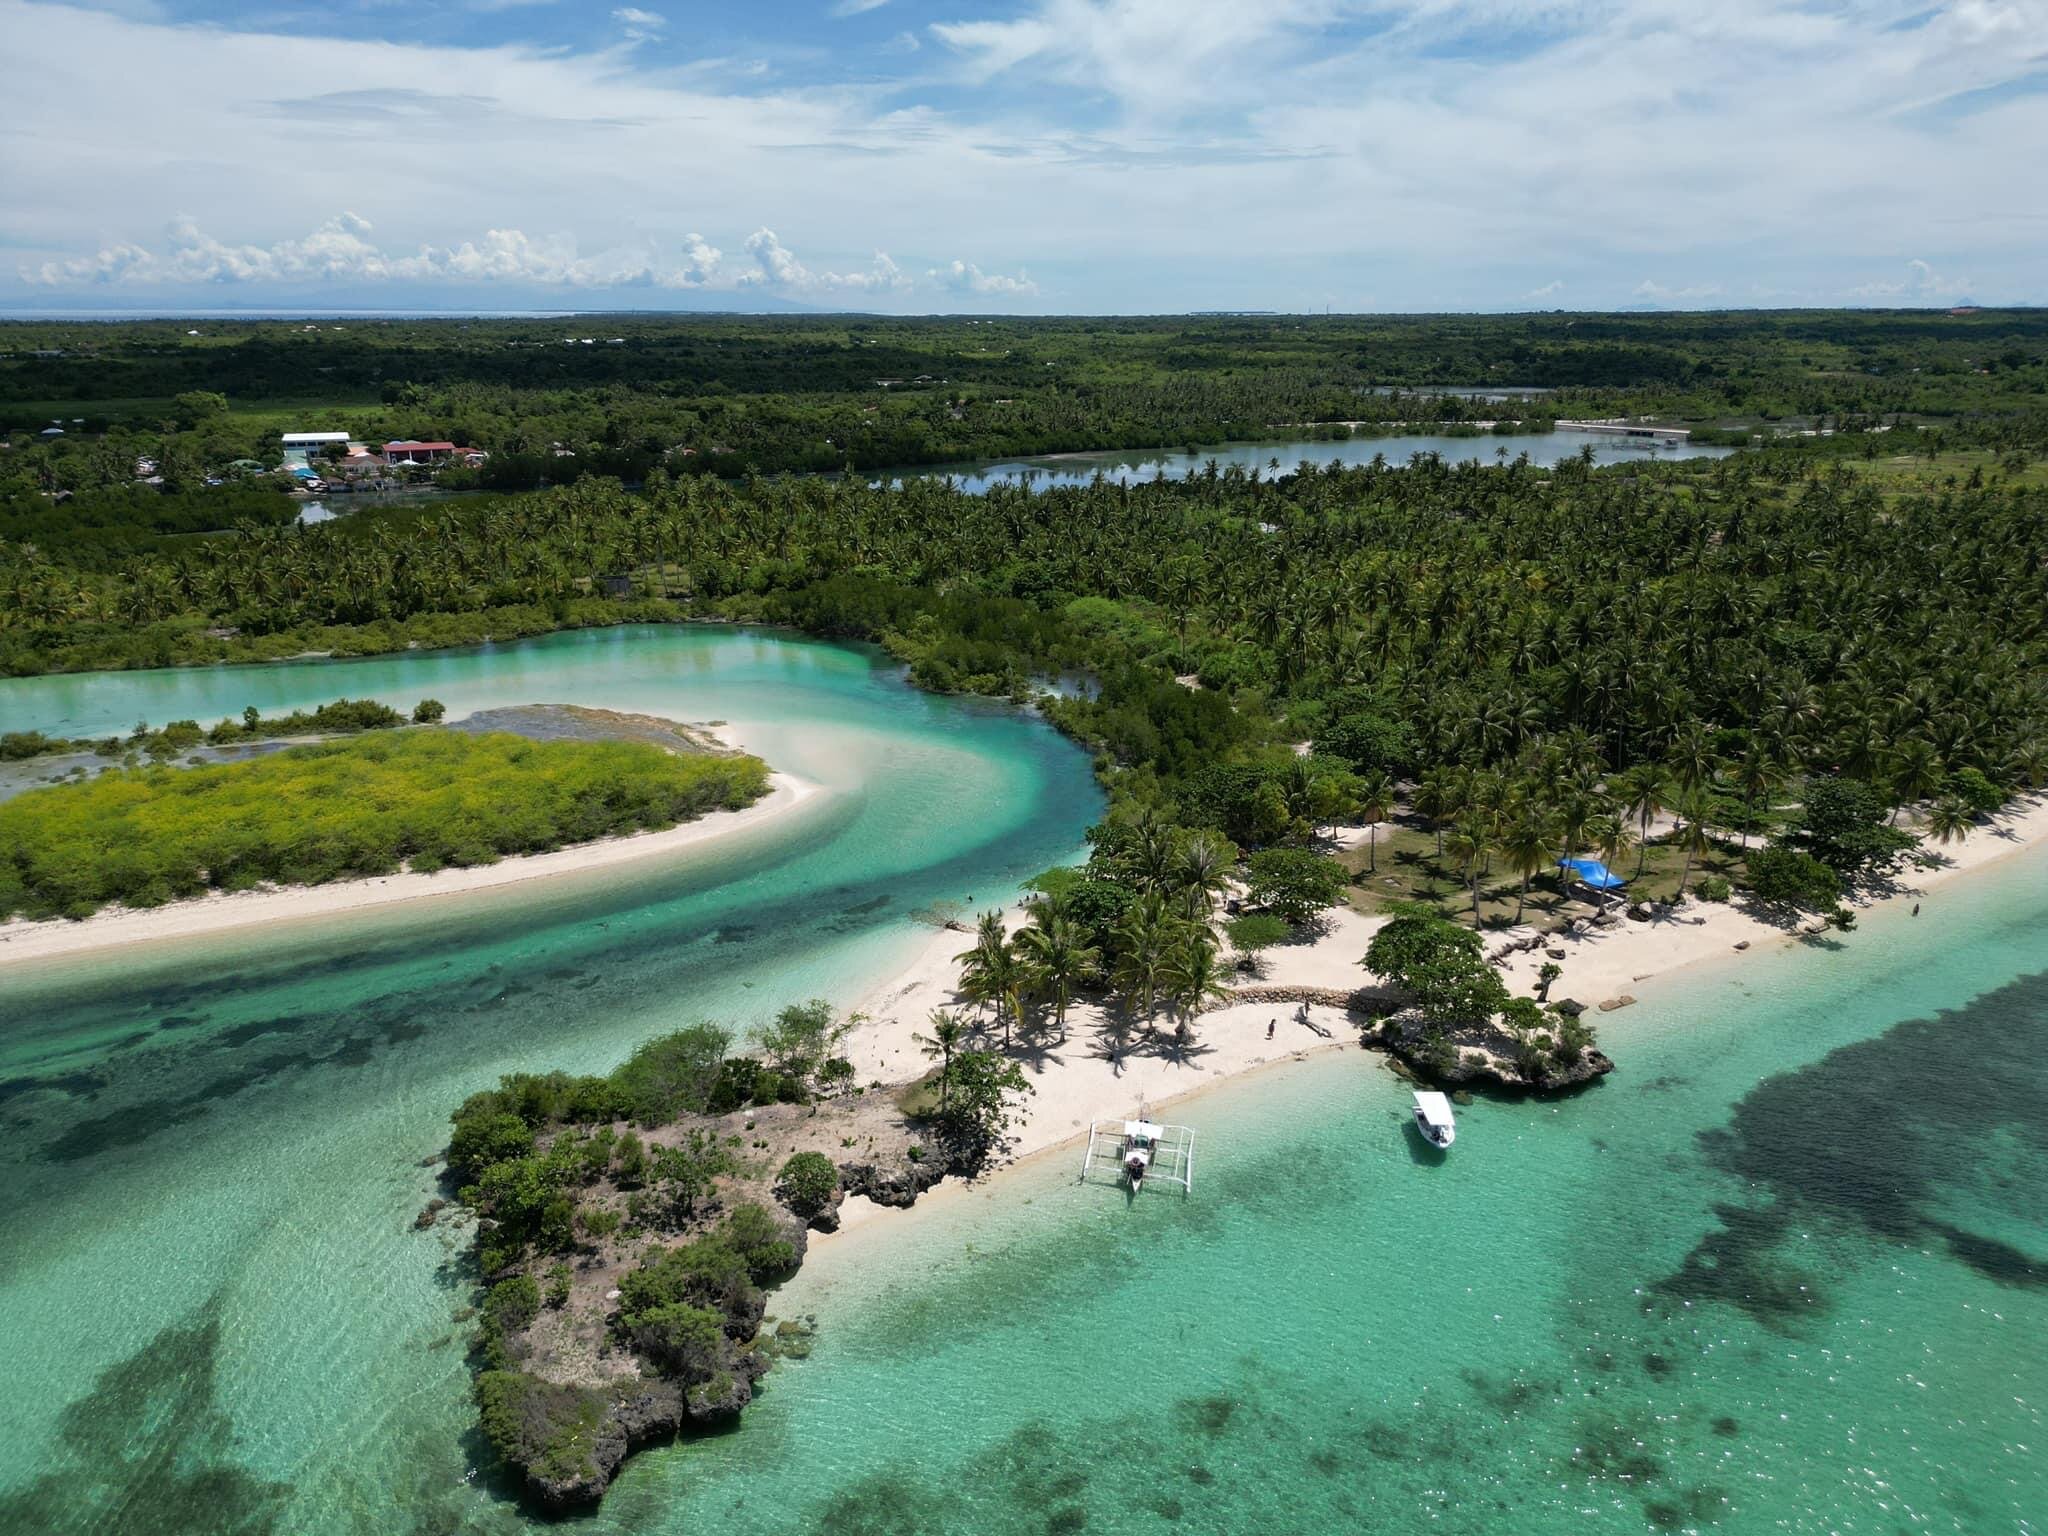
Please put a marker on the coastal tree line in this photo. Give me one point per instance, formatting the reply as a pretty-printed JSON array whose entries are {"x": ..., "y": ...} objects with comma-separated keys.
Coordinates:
[{"x": 1571, "y": 659}]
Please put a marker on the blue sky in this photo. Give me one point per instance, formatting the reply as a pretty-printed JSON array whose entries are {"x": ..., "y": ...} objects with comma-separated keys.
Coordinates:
[{"x": 1023, "y": 155}]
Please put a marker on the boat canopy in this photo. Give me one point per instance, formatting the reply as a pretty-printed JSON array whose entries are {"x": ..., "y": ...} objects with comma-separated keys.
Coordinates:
[
  {"x": 1434, "y": 1108},
  {"x": 1594, "y": 873},
  {"x": 1143, "y": 1129}
]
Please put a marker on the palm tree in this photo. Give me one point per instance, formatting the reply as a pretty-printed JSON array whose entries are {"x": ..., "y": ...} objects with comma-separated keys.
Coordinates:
[
  {"x": 1204, "y": 869},
  {"x": 1644, "y": 792},
  {"x": 1433, "y": 799},
  {"x": 1610, "y": 834},
  {"x": 1152, "y": 856},
  {"x": 1059, "y": 959},
  {"x": 1143, "y": 939},
  {"x": 1470, "y": 842},
  {"x": 1916, "y": 771},
  {"x": 947, "y": 1036},
  {"x": 1759, "y": 777},
  {"x": 1949, "y": 820},
  {"x": 1375, "y": 804},
  {"x": 1692, "y": 833},
  {"x": 993, "y": 972},
  {"x": 1693, "y": 759},
  {"x": 1526, "y": 846},
  {"x": 1193, "y": 978}
]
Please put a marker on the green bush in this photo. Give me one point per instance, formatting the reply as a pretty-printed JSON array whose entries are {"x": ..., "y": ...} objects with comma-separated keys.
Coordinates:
[
  {"x": 550, "y": 1430},
  {"x": 1294, "y": 884},
  {"x": 1712, "y": 888},
  {"x": 485, "y": 1136},
  {"x": 510, "y": 1306},
  {"x": 1787, "y": 877},
  {"x": 808, "y": 1180}
]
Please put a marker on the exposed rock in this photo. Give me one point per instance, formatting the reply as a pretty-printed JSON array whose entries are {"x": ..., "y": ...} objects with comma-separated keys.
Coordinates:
[
  {"x": 1742, "y": 943},
  {"x": 1570, "y": 1007},
  {"x": 1555, "y": 953},
  {"x": 897, "y": 1187},
  {"x": 1639, "y": 912},
  {"x": 718, "y": 1400},
  {"x": 1481, "y": 1053},
  {"x": 1608, "y": 1005}
]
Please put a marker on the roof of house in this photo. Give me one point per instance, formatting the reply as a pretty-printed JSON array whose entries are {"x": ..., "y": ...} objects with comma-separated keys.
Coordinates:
[
  {"x": 416, "y": 447},
  {"x": 316, "y": 437}
]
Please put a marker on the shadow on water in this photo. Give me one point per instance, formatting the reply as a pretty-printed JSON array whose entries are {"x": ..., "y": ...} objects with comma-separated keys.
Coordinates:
[{"x": 1422, "y": 1151}]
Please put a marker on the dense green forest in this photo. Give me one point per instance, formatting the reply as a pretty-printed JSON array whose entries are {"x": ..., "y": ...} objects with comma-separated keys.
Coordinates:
[
  {"x": 728, "y": 395},
  {"x": 1562, "y": 658},
  {"x": 365, "y": 805}
]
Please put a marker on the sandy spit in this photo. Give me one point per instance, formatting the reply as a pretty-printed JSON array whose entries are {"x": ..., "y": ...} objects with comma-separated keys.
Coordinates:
[{"x": 21, "y": 940}]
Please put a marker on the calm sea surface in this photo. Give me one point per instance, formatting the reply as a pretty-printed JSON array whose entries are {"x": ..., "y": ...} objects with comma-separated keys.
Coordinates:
[{"x": 1784, "y": 1272}]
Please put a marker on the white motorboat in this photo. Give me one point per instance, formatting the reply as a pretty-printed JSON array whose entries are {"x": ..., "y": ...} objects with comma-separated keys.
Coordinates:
[{"x": 1433, "y": 1118}]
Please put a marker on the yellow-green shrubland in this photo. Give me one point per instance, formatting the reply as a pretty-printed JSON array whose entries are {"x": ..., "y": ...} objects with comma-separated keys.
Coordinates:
[{"x": 341, "y": 809}]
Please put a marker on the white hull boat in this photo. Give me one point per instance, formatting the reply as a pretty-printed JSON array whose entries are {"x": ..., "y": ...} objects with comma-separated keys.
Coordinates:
[{"x": 1433, "y": 1119}]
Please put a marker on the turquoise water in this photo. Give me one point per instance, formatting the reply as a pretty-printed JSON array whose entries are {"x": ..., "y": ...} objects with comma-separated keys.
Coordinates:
[
  {"x": 1784, "y": 1272},
  {"x": 1135, "y": 466},
  {"x": 214, "y": 1309}
]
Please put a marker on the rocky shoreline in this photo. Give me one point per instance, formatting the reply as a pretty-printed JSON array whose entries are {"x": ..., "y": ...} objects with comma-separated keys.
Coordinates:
[
  {"x": 582, "y": 1364},
  {"x": 1481, "y": 1054}
]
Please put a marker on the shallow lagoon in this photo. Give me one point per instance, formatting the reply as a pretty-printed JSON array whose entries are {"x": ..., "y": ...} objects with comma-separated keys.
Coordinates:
[{"x": 1783, "y": 1272}]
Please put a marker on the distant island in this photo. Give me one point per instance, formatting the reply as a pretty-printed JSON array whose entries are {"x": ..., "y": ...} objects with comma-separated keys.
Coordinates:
[{"x": 374, "y": 800}]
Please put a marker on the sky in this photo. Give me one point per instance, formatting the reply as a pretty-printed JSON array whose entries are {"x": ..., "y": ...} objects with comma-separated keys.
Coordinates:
[{"x": 1023, "y": 156}]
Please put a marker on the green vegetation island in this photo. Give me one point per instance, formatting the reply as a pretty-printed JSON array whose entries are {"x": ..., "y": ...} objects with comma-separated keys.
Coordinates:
[
  {"x": 380, "y": 797},
  {"x": 629, "y": 1226}
]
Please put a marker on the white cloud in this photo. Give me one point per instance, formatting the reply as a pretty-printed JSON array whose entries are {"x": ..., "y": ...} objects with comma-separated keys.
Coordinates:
[
  {"x": 1165, "y": 153},
  {"x": 966, "y": 277},
  {"x": 640, "y": 26},
  {"x": 1549, "y": 290},
  {"x": 700, "y": 264},
  {"x": 340, "y": 250},
  {"x": 1920, "y": 282},
  {"x": 1657, "y": 293},
  {"x": 857, "y": 7},
  {"x": 777, "y": 266}
]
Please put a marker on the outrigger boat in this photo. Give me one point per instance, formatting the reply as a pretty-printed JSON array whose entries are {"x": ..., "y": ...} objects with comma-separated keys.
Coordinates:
[
  {"x": 1433, "y": 1118},
  {"x": 1143, "y": 1151}
]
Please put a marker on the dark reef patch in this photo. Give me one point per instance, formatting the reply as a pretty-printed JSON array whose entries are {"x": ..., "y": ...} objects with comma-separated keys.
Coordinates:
[
  {"x": 79, "y": 1085},
  {"x": 244, "y": 1034},
  {"x": 148, "y": 1452},
  {"x": 1869, "y": 1137}
]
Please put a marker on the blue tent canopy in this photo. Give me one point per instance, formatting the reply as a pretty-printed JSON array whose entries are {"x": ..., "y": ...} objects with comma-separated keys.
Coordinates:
[{"x": 1594, "y": 873}]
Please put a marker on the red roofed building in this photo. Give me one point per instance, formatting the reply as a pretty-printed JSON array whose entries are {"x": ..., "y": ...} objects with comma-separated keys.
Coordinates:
[{"x": 418, "y": 453}]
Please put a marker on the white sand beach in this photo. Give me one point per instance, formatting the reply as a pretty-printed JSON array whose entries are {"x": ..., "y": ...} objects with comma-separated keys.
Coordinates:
[
  {"x": 1077, "y": 1081},
  {"x": 22, "y": 940}
]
